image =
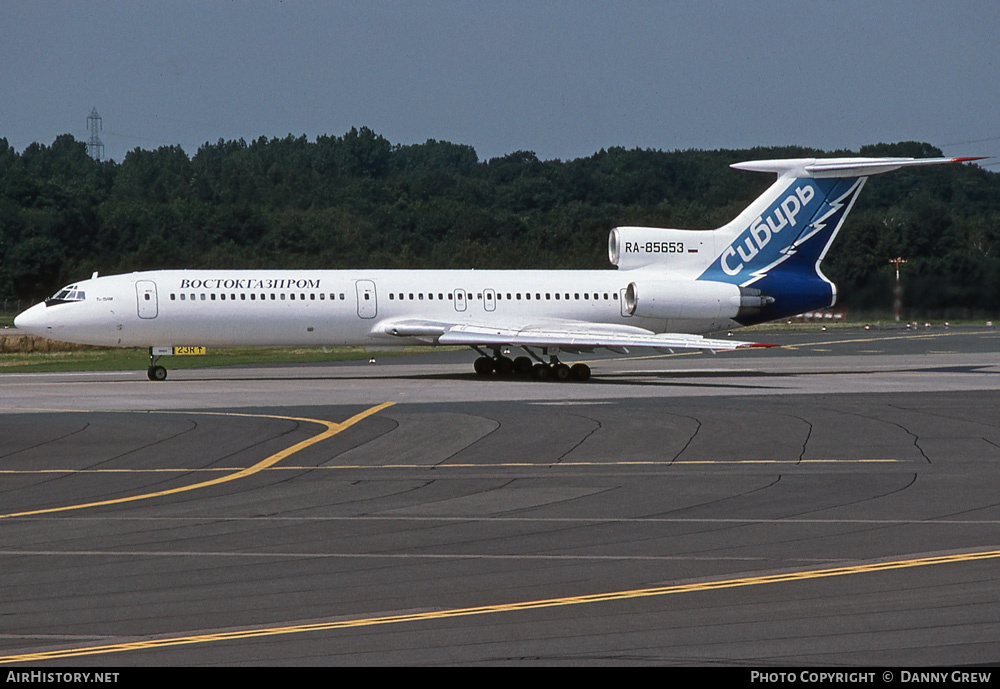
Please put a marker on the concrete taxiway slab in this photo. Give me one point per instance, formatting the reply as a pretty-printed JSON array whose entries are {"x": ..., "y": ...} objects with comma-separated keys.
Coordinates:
[
  {"x": 796, "y": 507},
  {"x": 811, "y": 362}
]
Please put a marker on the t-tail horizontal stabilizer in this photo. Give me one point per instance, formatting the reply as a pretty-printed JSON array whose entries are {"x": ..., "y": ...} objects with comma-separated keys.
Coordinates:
[
  {"x": 777, "y": 244},
  {"x": 818, "y": 168}
]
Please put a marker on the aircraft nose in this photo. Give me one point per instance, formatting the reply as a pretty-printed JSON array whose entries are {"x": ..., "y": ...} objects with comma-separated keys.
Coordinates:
[{"x": 31, "y": 321}]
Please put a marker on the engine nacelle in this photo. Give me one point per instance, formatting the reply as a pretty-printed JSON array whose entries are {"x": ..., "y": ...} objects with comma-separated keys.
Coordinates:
[
  {"x": 692, "y": 299},
  {"x": 637, "y": 247}
]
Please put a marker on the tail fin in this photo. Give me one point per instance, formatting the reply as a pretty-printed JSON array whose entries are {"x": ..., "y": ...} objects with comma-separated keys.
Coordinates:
[{"x": 777, "y": 244}]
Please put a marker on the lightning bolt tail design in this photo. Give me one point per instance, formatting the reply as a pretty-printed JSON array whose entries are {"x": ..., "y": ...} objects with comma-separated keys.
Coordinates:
[{"x": 777, "y": 244}]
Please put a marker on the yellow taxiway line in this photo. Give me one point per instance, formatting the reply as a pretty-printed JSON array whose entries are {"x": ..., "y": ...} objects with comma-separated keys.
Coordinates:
[
  {"x": 802, "y": 575},
  {"x": 457, "y": 465},
  {"x": 332, "y": 428}
]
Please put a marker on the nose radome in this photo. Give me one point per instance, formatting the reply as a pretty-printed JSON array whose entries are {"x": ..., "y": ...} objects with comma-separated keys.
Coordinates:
[{"x": 31, "y": 321}]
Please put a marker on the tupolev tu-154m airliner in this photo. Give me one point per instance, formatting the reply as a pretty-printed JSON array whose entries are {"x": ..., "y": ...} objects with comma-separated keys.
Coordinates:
[{"x": 670, "y": 287}]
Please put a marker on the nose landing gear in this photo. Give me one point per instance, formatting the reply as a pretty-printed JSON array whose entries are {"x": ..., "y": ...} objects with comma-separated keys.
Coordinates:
[{"x": 154, "y": 372}]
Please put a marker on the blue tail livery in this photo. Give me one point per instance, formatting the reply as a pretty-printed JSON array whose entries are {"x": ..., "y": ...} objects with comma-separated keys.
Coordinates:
[{"x": 773, "y": 249}]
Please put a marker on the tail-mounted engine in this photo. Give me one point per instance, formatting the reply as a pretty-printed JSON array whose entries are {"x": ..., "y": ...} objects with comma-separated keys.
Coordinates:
[
  {"x": 680, "y": 250},
  {"x": 698, "y": 299}
]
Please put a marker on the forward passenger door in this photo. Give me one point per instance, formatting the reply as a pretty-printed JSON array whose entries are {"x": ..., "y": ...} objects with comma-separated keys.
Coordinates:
[{"x": 367, "y": 301}]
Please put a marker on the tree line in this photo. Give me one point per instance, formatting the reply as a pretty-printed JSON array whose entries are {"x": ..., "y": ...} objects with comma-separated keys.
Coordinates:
[{"x": 358, "y": 200}]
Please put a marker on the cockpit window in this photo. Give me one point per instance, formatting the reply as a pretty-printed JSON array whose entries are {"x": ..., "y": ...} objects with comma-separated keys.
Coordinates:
[{"x": 66, "y": 294}]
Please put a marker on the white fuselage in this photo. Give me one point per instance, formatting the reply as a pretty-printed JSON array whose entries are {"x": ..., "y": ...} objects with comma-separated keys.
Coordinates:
[{"x": 332, "y": 307}]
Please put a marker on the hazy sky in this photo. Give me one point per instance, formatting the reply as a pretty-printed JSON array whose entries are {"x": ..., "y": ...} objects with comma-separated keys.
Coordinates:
[{"x": 563, "y": 79}]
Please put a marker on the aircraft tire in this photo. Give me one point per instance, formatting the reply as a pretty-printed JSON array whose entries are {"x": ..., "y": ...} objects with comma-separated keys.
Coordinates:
[
  {"x": 522, "y": 365},
  {"x": 484, "y": 366},
  {"x": 157, "y": 373},
  {"x": 503, "y": 365},
  {"x": 560, "y": 372},
  {"x": 580, "y": 372},
  {"x": 540, "y": 372}
]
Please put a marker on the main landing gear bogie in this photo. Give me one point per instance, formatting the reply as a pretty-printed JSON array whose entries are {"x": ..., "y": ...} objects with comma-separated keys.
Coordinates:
[{"x": 522, "y": 366}]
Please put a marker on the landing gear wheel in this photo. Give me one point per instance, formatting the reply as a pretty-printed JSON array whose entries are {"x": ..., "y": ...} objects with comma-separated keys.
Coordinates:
[
  {"x": 560, "y": 372},
  {"x": 157, "y": 373},
  {"x": 484, "y": 366},
  {"x": 540, "y": 372},
  {"x": 503, "y": 365},
  {"x": 522, "y": 365},
  {"x": 580, "y": 372}
]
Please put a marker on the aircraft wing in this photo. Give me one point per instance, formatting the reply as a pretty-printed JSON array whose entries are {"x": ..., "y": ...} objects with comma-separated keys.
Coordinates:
[{"x": 564, "y": 334}]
